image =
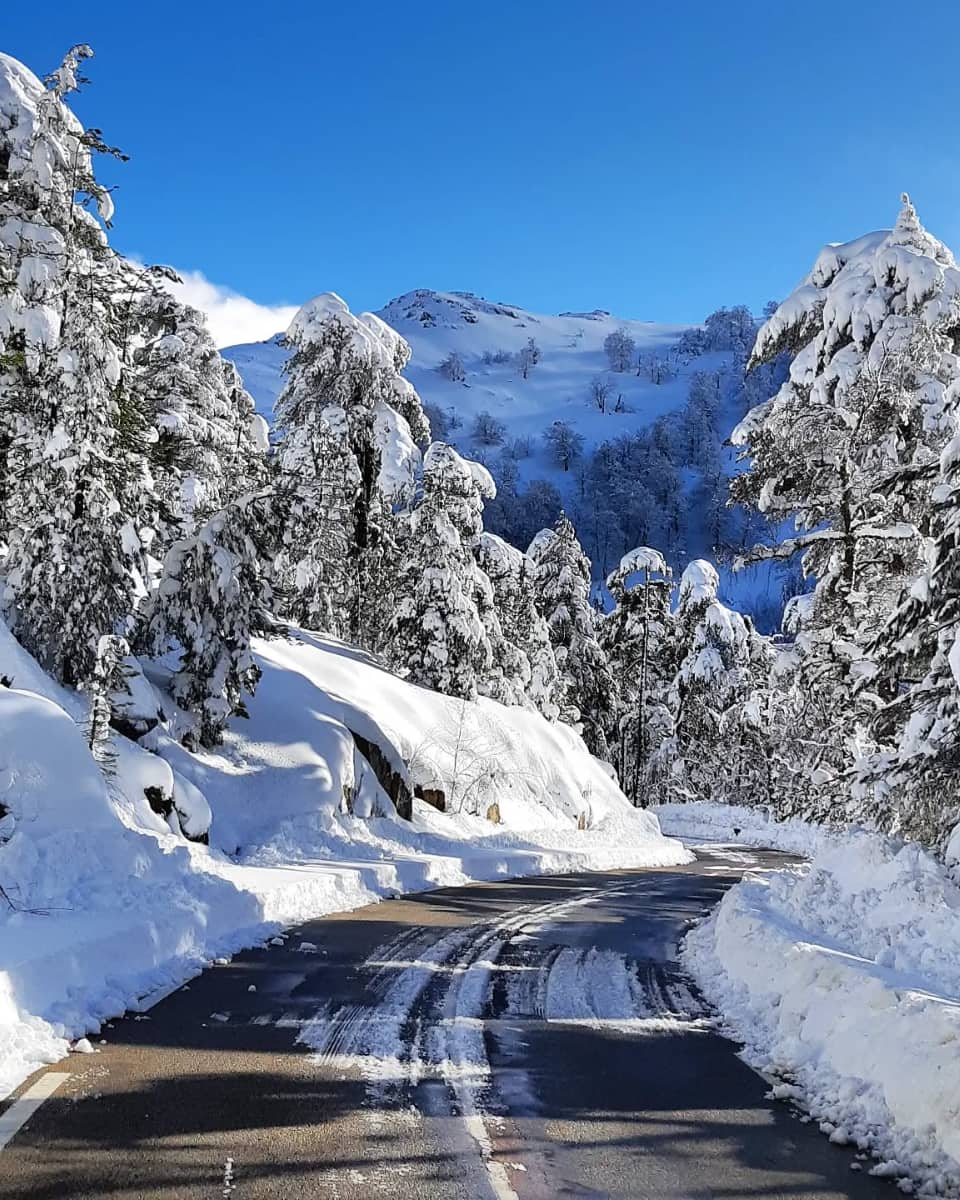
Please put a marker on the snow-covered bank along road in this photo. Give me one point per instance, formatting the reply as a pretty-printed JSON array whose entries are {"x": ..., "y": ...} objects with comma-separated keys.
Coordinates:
[
  {"x": 523, "y": 1039},
  {"x": 106, "y": 902},
  {"x": 842, "y": 978}
]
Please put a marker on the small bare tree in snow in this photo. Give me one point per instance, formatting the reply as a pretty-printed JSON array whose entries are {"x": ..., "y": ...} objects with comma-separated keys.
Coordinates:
[
  {"x": 452, "y": 368},
  {"x": 520, "y": 447},
  {"x": 487, "y": 430},
  {"x": 564, "y": 444},
  {"x": 656, "y": 367},
  {"x": 496, "y": 358},
  {"x": 600, "y": 389},
  {"x": 619, "y": 348},
  {"x": 528, "y": 357},
  {"x": 464, "y": 754}
]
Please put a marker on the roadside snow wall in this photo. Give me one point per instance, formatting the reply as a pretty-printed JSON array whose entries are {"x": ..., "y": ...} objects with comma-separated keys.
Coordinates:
[{"x": 842, "y": 979}]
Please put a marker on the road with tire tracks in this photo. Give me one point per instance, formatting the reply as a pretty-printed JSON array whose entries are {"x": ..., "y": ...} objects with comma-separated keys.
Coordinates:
[{"x": 522, "y": 1040}]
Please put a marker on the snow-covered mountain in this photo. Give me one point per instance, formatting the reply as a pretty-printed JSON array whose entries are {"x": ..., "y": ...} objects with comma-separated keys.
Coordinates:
[{"x": 478, "y": 331}]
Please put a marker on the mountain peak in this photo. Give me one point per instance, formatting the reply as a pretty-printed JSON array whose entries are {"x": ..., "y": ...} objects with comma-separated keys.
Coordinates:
[{"x": 445, "y": 310}]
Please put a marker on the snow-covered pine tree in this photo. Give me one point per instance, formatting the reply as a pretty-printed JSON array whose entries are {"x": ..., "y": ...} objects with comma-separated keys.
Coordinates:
[
  {"x": 467, "y": 485},
  {"x": 438, "y": 635},
  {"x": 348, "y": 431},
  {"x": 214, "y": 594},
  {"x": 715, "y": 698},
  {"x": 563, "y": 598},
  {"x": 79, "y": 489},
  {"x": 317, "y": 488},
  {"x": 396, "y": 395},
  {"x": 528, "y": 657},
  {"x": 914, "y": 780},
  {"x": 208, "y": 446},
  {"x": 638, "y": 639},
  {"x": 841, "y": 449}
]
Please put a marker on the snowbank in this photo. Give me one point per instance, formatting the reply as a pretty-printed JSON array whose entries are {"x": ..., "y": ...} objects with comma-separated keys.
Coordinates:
[
  {"x": 107, "y": 904},
  {"x": 842, "y": 978},
  {"x": 700, "y": 821}
]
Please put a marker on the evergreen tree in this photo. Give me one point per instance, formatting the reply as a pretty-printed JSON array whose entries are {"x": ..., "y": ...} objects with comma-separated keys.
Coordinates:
[
  {"x": 78, "y": 483},
  {"x": 913, "y": 784},
  {"x": 715, "y": 698},
  {"x": 348, "y": 427},
  {"x": 563, "y": 597},
  {"x": 214, "y": 594},
  {"x": 528, "y": 657},
  {"x": 206, "y": 449},
  {"x": 638, "y": 639},
  {"x": 841, "y": 449},
  {"x": 438, "y": 635}
]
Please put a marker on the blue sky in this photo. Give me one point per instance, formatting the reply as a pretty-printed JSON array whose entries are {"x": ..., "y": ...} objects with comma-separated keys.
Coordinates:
[{"x": 654, "y": 160}]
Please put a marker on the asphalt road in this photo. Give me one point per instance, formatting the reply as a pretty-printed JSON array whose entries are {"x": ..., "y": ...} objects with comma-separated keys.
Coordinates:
[{"x": 522, "y": 1041}]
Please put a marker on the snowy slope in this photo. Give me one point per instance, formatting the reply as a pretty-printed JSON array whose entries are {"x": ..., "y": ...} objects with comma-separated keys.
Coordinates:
[
  {"x": 104, "y": 902},
  {"x": 557, "y": 388}
]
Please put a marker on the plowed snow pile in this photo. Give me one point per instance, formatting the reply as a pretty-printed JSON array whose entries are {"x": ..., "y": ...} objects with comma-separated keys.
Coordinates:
[{"x": 842, "y": 978}]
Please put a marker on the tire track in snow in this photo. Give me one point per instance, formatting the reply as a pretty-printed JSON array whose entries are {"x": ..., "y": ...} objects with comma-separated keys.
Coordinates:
[
  {"x": 425, "y": 1020},
  {"x": 431, "y": 1002}
]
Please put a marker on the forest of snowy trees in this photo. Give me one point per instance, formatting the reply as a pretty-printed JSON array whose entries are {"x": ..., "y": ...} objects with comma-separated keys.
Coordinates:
[
  {"x": 148, "y": 521},
  {"x": 665, "y": 484}
]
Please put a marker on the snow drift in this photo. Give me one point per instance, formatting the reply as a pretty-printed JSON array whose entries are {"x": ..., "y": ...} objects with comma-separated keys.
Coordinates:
[
  {"x": 106, "y": 904},
  {"x": 842, "y": 978}
]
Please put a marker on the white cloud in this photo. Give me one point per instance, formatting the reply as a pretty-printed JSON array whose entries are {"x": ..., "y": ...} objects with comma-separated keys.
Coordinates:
[{"x": 232, "y": 318}]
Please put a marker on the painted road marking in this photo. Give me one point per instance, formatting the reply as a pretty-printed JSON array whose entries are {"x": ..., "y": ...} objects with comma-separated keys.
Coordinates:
[{"x": 23, "y": 1109}]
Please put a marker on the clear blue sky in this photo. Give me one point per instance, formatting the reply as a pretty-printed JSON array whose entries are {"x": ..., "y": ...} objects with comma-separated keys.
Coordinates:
[{"x": 655, "y": 160}]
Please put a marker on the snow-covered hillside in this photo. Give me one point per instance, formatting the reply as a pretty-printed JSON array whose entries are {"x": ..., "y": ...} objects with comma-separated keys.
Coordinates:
[{"x": 437, "y": 324}]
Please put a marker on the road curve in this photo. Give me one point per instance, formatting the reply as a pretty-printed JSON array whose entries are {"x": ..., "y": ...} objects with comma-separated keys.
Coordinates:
[{"x": 522, "y": 1040}]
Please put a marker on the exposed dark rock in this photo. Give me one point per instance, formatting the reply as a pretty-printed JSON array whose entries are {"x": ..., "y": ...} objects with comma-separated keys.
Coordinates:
[
  {"x": 159, "y": 801},
  {"x": 390, "y": 780},
  {"x": 435, "y": 797}
]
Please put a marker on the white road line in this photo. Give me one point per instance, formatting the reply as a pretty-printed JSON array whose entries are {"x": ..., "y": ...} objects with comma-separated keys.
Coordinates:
[
  {"x": 23, "y": 1109},
  {"x": 496, "y": 1171}
]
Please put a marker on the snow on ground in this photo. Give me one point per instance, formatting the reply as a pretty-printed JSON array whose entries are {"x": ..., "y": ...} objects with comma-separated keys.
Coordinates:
[
  {"x": 730, "y": 823},
  {"x": 842, "y": 979},
  {"x": 108, "y": 905}
]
